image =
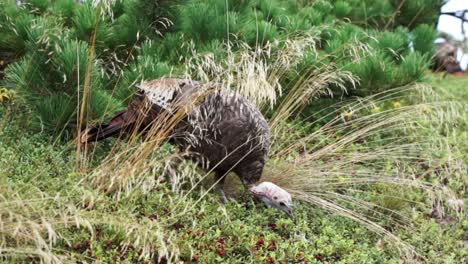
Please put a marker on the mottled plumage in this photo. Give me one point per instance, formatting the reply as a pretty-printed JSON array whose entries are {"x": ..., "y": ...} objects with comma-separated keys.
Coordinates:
[{"x": 223, "y": 127}]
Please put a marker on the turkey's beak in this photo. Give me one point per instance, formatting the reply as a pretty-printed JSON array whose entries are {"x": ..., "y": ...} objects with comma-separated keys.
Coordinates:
[
  {"x": 289, "y": 211},
  {"x": 291, "y": 215}
]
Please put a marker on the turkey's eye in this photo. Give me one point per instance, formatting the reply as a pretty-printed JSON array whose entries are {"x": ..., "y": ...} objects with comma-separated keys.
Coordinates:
[
  {"x": 282, "y": 204},
  {"x": 276, "y": 198}
]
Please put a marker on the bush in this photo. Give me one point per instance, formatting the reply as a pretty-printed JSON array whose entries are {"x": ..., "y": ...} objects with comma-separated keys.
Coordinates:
[
  {"x": 135, "y": 41},
  {"x": 423, "y": 37}
]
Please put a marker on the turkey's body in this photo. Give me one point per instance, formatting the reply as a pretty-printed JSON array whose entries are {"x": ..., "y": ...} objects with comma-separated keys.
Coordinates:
[{"x": 222, "y": 127}]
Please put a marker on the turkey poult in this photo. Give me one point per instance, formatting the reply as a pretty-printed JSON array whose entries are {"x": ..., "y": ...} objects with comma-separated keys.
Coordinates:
[{"x": 219, "y": 125}]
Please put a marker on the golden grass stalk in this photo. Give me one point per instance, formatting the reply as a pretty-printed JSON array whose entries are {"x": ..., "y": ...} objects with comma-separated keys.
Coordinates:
[
  {"x": 326, "y": 166},
  {"x": 84, "y": 108}
]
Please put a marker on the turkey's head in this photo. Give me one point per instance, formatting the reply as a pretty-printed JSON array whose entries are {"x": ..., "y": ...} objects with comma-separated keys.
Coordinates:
[{"x": 273, "y": 196}]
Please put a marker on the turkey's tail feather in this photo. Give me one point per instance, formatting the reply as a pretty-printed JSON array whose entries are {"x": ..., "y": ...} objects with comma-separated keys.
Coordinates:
[{"x": 119, "y": 123}]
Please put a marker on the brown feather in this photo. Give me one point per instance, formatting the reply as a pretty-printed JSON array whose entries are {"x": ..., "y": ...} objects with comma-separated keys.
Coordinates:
[{"x": 223, "y": 127}]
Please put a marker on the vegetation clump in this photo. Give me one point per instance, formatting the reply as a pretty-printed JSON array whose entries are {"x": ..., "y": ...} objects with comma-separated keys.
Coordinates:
[{"x": 135, "y": 40}]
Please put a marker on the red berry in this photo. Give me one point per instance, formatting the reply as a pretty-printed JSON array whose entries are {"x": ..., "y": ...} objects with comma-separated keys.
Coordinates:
[
  {"x": 153, "y": 216},
  {"x": 254, "y": 248},
  {"x": 177, "y": 226},
  {"x": 195, "y": 258},
  {"x": 283, "y": 225},
  {"x": 109, "y": 243},
  {"x": 270, "y": 259},
  {"x": 90, "y": 252},
  {"x": 271, "y": 245},
  {"x": 221, "y": 241},
  {"x": 260, "y": 242},
  {"x": 221, "y": 252},
  {"x": 272, "y": 226},
  {"x": 318, "y": 257}
]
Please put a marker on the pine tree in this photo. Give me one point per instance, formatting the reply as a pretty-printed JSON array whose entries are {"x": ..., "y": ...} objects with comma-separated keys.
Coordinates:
[{"x": 50, "y": 42}]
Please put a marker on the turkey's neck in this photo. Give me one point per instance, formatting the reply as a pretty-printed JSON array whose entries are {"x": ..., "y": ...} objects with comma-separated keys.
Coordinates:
[
  {"x": 257, "y": 190},
  {"x": 261, "y": 194}
]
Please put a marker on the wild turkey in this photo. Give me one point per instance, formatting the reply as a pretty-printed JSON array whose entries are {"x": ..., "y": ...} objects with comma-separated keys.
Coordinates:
[
  {"x": 446, "y": 58},
  {"x": 221, "y": 126}
]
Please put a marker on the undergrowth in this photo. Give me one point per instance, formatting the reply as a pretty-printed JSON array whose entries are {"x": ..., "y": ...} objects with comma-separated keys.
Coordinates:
[
  {"x": 52, "y": 213},
  {"x": 376, "y": 162}
]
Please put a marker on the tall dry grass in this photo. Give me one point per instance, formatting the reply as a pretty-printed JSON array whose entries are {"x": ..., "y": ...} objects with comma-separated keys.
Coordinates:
[{"x": 357, "y": 149}]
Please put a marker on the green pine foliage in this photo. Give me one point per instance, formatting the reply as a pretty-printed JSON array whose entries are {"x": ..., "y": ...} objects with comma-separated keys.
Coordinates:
[
  {"x": 70, "y": 63},
  {"x": 54, "y": 113},
  {"x": 102, "y": 104},
  {"x": 389, "y": 14},
  {"x": 259, "y": 32},
  {"x": 202, "y": 22},
  {"x": 415, "y": 12},
  {"x": 38, "y": 7},
  {"x": 87, "y": 21},
  {"x": 342, "y": 9},
  {"x": 25, "y": 76},
  {"x": 13, "y": 25},
  {"x": 138, "y": 40},
  {"x": 412, "y": 68},
  {"x": 422, "y": 38},
  {"x": 393, "y": 44},
  {"x": 370, "y": 13},
  {"x": 375, "y": 73}
]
